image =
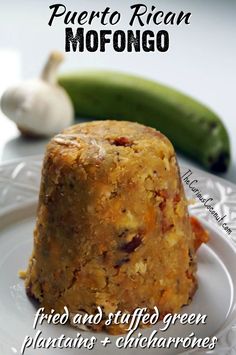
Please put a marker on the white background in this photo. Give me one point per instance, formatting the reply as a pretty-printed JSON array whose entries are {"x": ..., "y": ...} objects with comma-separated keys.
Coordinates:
[{"x": 201, "y": 59}]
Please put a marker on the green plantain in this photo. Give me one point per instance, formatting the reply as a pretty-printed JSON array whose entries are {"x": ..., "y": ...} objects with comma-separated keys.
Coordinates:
[{"x": 193, "y": 128}]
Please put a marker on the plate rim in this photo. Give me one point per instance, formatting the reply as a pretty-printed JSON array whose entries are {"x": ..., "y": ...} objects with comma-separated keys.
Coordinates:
[{"x": 5, "y": 210}]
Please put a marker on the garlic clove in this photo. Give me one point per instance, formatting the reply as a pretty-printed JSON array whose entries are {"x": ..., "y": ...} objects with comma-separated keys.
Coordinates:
[{"x": 39, "y": 106}]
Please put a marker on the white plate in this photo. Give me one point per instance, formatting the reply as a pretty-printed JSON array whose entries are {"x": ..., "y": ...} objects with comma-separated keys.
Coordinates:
[{"x": 216, "y": 295}]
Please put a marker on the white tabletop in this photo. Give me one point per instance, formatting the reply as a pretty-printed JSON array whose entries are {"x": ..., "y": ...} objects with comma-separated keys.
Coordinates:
[{"x": 200, "y": 61}]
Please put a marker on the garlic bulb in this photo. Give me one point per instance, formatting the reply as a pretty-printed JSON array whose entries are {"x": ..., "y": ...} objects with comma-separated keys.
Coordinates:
[{"x": 39, "y": 106}]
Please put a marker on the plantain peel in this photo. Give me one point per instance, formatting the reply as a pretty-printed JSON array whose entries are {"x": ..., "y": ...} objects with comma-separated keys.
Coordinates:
[{"x": 193, "y": 128}]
